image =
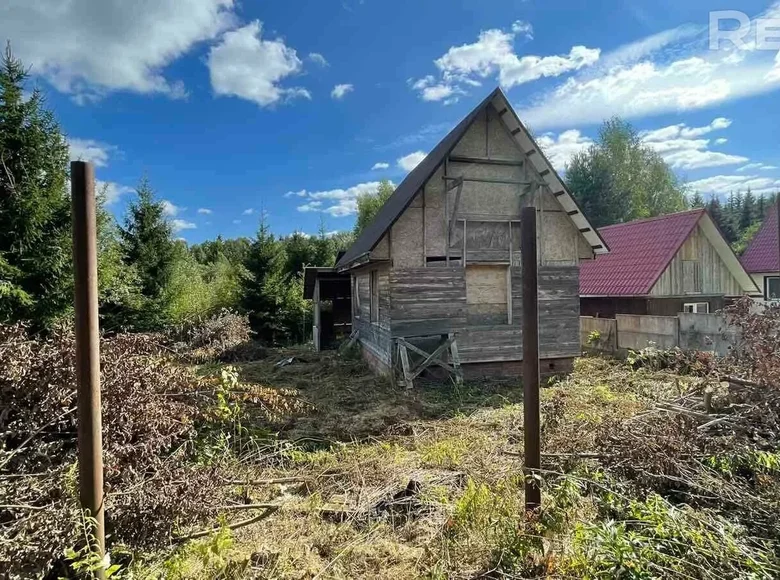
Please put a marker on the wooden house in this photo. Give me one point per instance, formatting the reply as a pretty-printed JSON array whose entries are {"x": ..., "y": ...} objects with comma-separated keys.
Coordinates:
[
  {"x": 661, "y": 266},
  {"x": 762, "y": 257},
  {"x": 442, "y": 257}
]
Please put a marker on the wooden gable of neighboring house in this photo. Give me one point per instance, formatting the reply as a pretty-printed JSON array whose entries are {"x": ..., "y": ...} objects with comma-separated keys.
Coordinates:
[{"x": 443, "y": 254}]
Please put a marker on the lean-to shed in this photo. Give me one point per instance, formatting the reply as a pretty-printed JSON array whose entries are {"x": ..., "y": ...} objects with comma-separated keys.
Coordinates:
[{"x": 441, "y": 260}]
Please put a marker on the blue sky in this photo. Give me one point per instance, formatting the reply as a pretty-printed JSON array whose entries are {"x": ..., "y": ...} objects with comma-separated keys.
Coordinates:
[{"x": 297, "y": 107}]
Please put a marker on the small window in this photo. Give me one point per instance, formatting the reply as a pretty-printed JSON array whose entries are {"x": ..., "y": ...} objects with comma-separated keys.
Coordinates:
[
  {"x": 374, "y": 284},
  {"x": 697, "y": 307},
  {"x": 772, "y": 288}
]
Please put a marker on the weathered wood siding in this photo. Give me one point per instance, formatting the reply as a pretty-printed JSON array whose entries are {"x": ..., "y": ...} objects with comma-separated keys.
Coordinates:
[
  {"x": 427, "y": 300},
  {"x": 713, "y": 275},
  {"x": 434, "y": 300},
  {"x": 375, "y": 336}
]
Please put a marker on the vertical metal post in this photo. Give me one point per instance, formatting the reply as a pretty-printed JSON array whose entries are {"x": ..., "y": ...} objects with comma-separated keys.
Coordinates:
[
  {"x": 531, "y": 422},
  {"x": 90, "y": 441}
]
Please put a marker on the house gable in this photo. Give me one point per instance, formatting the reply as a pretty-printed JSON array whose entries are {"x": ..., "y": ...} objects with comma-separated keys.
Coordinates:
[
  {"x": 704, "y": 264},
  {"x": 480, "y": 216},
  {"x": 476, "y": 137}
]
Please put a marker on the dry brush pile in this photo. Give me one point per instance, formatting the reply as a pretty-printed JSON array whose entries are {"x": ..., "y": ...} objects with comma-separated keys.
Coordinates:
[{"x": 155, "y": 410}]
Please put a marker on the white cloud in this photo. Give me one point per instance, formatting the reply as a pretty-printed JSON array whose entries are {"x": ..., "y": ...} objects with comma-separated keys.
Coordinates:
[
  {"x": 336, "y": 202},
  {"x": 179, "y": 225},
  {"x": 317, "y": 58},
  {"x": 88, "y": 50},
  {"x": 236, "y": 222},
  {"x": 340, "y": 91},
  {"x": 493, "y": 54},
  {"x": 205, "y": 211},
  {"x": 759, "y": 166},
  {"x": 380, "y": 165},
  {"x": 684, "y": 76},
  {"x": 170, "y": 209},
  {"x": 409, "y": 162},
  {"x": 90, "y": 150},
  {"x": 301, "y": 193},
  {"x": 560, "y": 150},
  {"x": 245, "y": 65},
  {"x": 722, "y": 185},
  {"x": 248, "y": 211},
  {"x": 112, "y": 191},
  {"x": 682, "y": 148},
  {"x": 721, "y": 141}
]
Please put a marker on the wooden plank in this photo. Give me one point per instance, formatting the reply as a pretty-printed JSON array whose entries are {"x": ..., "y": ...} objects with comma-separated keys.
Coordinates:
[
  {"x": 484, "y": 161},
  {"x": 404, "y": 356}
]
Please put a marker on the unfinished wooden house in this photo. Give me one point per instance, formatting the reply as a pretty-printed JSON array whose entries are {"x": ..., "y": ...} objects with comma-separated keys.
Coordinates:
[
  {"x": 440, "y": 262},
  {"x": 661, "y": 266}
]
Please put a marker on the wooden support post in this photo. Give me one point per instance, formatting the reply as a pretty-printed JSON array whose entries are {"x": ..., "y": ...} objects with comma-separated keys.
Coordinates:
[
  {"x": 405, "y": 366},
  {"x": 455, "y": 359},
  {"x": 316, "y": 332},
  {"x": 90, "y": 440},
  {"x": 531, "y": 420}
]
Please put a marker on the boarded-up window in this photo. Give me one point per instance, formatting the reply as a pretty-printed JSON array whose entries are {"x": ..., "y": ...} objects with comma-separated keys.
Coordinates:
[
  {"x": 691, "y": 277},
  {"x": 486, "y": 295},
  {"x": 374, "y": 283}
]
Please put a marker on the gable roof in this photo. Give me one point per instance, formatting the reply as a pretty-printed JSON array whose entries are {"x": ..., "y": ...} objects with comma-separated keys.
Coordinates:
[
  {"x": 641, "y": 250},
  {"x": 763, "y": 251},
  {"x": 405, "y": 192}
]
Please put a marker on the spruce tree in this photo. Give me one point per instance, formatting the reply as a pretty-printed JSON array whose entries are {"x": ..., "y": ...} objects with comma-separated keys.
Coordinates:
[
  {"x": 697, "y": 200},
  {"x": 264, "y": 268},
  {"x": 148, "y": 246},
  {"x": 748, "y": 212},
  {"x": 35, "y": 242}
]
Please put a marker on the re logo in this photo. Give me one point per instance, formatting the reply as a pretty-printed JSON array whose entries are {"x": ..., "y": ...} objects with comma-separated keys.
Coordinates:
[{"x": 736, "y": 27}]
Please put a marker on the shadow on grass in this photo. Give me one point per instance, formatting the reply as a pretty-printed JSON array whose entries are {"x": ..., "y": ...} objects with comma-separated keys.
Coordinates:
[{"x": 349, "y": 402}]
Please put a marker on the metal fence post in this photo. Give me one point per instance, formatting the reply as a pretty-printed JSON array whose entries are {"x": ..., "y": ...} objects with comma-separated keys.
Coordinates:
[
  {"x": 531, "y": 421},
  {"x": 90, "y": 441}
]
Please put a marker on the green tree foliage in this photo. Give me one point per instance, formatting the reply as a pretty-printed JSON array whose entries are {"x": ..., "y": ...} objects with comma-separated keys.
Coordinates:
[
  {"x": 740, "y": 217},
  {"x": 368, "y": 205},
  {"x": 35, "y": 243},
  {"x": 697, "y": 200},
  {"x": 148, "y": 247},
  {"x": 619, "y": 178}
]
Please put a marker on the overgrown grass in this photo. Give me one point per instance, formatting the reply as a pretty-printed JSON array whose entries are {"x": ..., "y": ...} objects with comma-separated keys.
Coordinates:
[{"x": 397, "y": 484}]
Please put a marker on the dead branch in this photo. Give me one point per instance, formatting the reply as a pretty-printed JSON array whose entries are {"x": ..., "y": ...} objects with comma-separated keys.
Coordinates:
[{"x": 233, "y": 526}]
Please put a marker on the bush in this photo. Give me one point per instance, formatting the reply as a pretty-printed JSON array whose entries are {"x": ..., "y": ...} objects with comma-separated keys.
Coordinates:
[{"x": 226, "y": 336}]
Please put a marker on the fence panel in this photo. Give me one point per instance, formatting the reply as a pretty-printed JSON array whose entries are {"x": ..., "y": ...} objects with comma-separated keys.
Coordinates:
[{"x": 637, "y": 332}]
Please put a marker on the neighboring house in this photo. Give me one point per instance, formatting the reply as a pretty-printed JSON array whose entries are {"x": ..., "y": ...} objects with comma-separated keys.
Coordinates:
[
  {"x": 442, "y": 255},
  {"x": 762, "y": 257},
  {"x": 661, "y": 266}
]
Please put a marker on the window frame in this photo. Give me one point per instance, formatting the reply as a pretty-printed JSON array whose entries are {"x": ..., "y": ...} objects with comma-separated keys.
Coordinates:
[
  {"x": 695, "y": 307},
  {"x": 373, "y": 288},
  {"x": 767, "y": 280}
]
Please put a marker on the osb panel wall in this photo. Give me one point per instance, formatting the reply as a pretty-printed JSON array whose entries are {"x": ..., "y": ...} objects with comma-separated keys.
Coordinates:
[
  {"x": 407, "y": 234},
  {"x": 434, "y": 214},
  {"x": 486, "y": 295},
  {"x": 382, "y": 249}
]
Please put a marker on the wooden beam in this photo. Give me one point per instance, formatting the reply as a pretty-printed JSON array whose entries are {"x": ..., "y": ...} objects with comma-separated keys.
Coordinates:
[
  {"x": 544, "y": 172},
  {"x": 486, "y": 180},
  {"x": 559, "y": 193},
  {"x": 454, "y": 212},
  {"x": 515, "y": 131},
  {"x": 572, "y": 212},
  {"x": 503, "y": 112},
  {"x": 584, "y": 230},
  {"x": 484, "y": 161}
]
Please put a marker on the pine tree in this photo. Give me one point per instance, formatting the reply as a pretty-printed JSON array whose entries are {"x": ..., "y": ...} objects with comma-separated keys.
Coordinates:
[
  {"x": 148, "y": 246},
  {"x": 35, "y": 243},
  {"x": 719, "y": 217}
]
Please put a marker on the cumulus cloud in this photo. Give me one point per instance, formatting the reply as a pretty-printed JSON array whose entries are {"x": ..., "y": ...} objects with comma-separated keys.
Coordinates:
[
  {"x": 672, "y": 71},
  {"x": 493, "y": 54},
  {"x": 178, "y": 225},
  {"x": 170, "y": 209},
  {"x": 722, "y": 185},
  {"x": 301, "y": 193},
  {"x": 90, "y": 150},
  {"x": 335, "y": 202},
  {"x": 317, "y": 58},
  {"x": 409, "y": 162},
  {"x": 380, "y": 165},
  {"x": 248, "y": 211},
  {"x": 683, "y": 147},
  {"x": 246, "y": 65},
  {"x": 205, "y": 211},
  {"x": 112, "y": 191},
  {"x": 561, "y": 148},
  {"x": 340, "y": 91},
  {"x": 118, "y": 47}
]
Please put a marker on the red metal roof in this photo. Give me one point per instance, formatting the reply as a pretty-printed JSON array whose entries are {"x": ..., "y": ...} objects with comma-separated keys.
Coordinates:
[
  {"x": 639, "y": 252},
  {"x": 762, "y": 252}
]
